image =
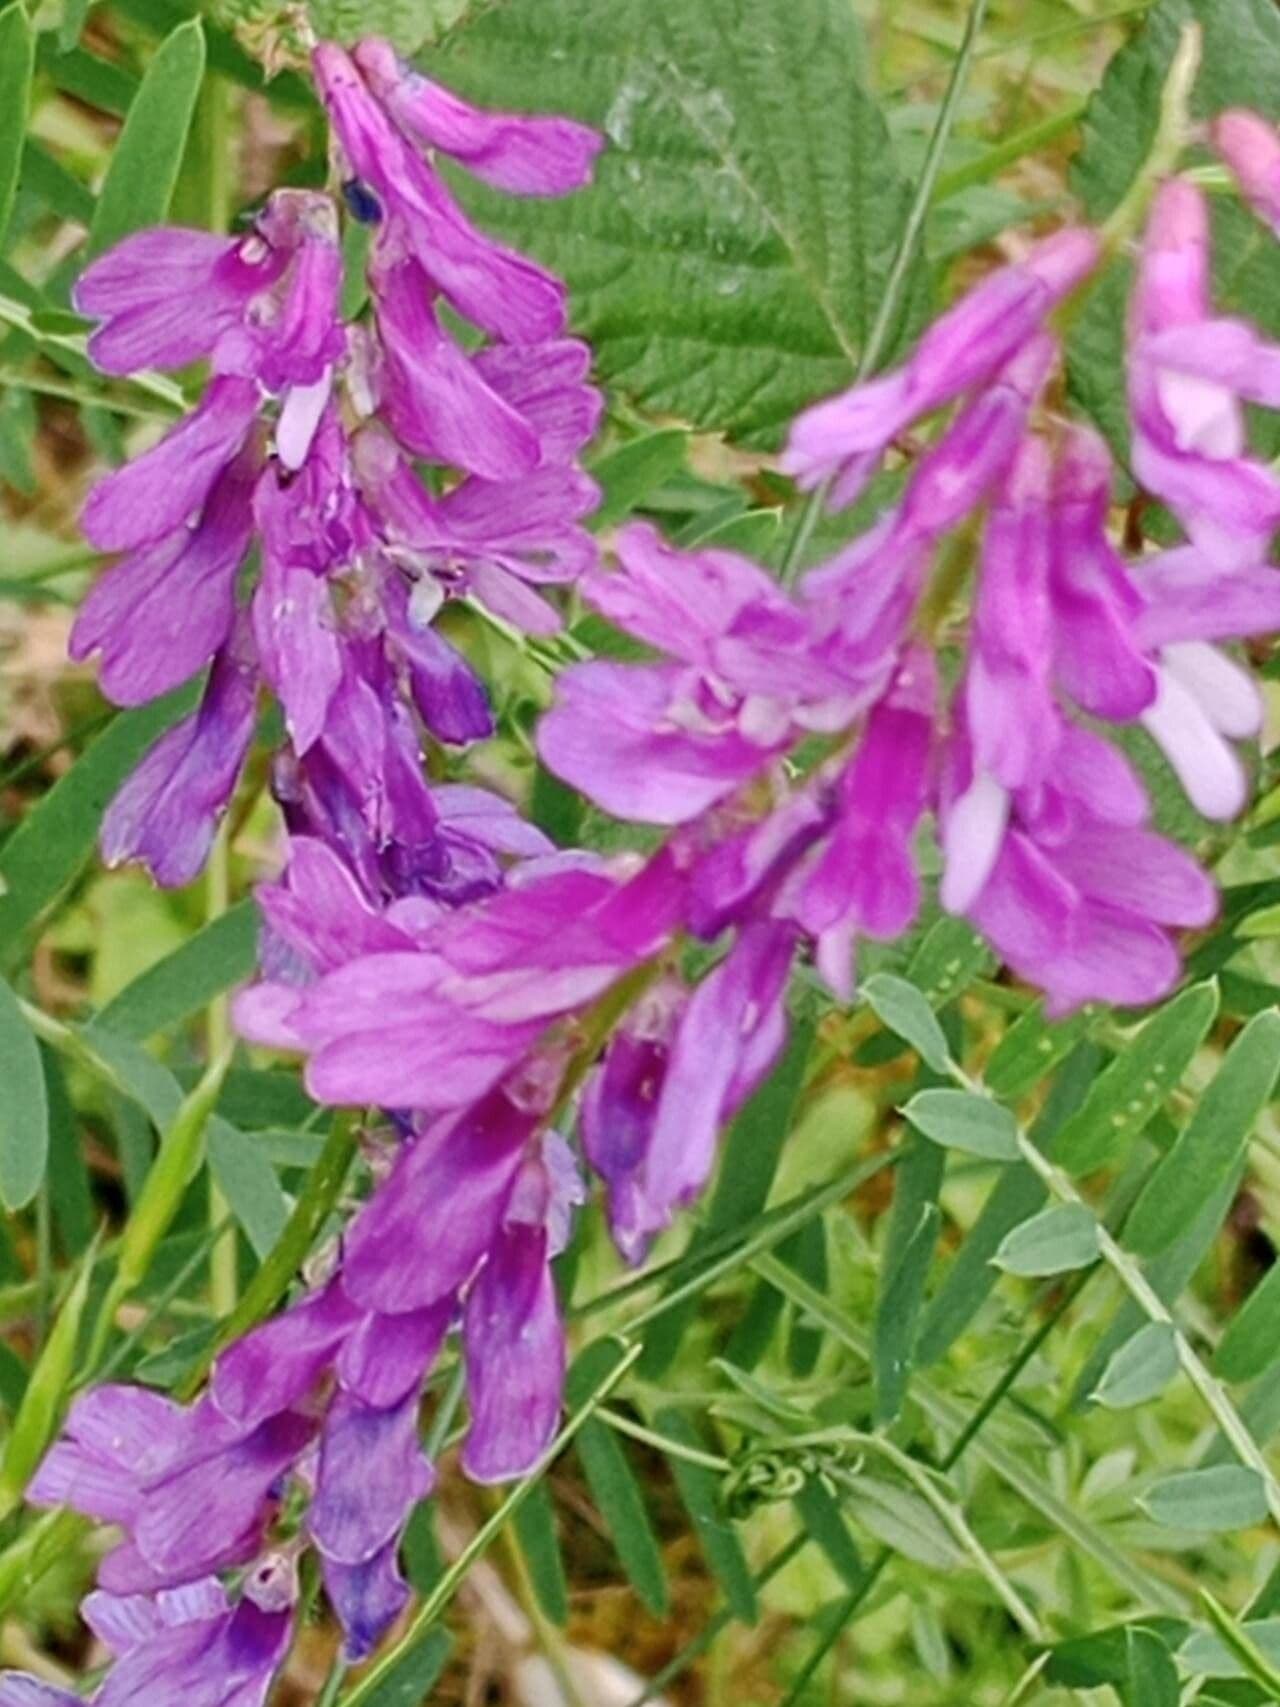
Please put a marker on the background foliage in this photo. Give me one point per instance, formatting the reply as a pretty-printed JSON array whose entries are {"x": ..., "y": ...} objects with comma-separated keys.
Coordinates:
[{"x": 963, "y": 1384}]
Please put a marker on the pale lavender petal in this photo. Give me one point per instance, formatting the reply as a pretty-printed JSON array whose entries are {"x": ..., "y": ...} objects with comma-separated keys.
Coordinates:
[
  {"x": 1204, "y": 762},
  {"x": 367, "y": 1599},
  {"x": 372, "y": 1472}
]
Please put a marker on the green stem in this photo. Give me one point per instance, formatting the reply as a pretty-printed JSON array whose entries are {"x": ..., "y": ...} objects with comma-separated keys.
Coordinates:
[
  {"x": 899, "y": 271},
  {"x": 1007, "y": 153},
  {"x": 46, "y": 385},
  {"x": 1173, "y": 132},
  {"x": 155, "y": 385},
  {"x": 662, "y": 1443},
  {"x": 223, "y": 1280}
]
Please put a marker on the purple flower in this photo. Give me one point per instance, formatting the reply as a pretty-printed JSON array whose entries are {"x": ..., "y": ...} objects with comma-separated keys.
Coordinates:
[
  {"x": 484, "y": 537},
  {"x": 167, "y": 813},
  {"x": 845, "y": 438},
  {"x": 663, "y": 742},
  {"x": 161, "y": 491},
  {"x": 1188, "y": 376},
  {"x": 861, "y": 879},
  {"x": 620, "y": 1104},
  {"x": 527, "y": 156},
  {"x": 1249, "y": 145},
  {"x": 161, "y": 614},
  {"x": 1066, "y": 882},
  {"x": 498, "y": 290}
]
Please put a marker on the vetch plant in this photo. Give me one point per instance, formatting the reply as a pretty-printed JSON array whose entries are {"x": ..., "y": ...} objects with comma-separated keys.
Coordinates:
[{"x": 941, "y": 767}]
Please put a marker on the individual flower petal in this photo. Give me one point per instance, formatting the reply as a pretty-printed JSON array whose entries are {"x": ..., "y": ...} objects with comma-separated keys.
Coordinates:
[
  {"x": 844, "y": 439},
  {"x": 372, "y": 1472},
  {"x": 166, "y": 295},
  {"x": 166, "y": 815},
  {"x": 527, "y": 155},
  {"x": 160, "y": 616},
  {"x": 160, "y": 491},
  {"x": 367, "y": 1598},
  {"x": 273, "y": 1368},
  {"x": 470, "y": 1164},
  {"x": 386, "y": 1357},
  {"x": 515, "y": 1357},
  {"x": 1249, "y": 145}
]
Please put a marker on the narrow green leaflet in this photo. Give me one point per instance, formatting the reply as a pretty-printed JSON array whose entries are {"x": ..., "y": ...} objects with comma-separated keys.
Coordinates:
[
  {"x": 248, "y": 1181},
  {"x": 1209, "y": 1653},
  {"x": 1226, "y": 1497},
  {"x": 535, "y": 1527},
  {"x": 700, "y": 1490},
  {"x": 614, "y": 1487},
  {"x": 74, "y": 13},
  {"x": 46, "y": 1394},
  {"x": 55, "y": 840},
  {"x": 720, "y": 278},
  {"x": 908, "y": 1252},
  {"x": 1151, "y": 1676},
  {"x": 1053, "y": 1242},
  {"x": 949, "y": 958},
  {"x": 1141, "y": 1369},
  {"x": 213, "y": 960},
  {"x": 1251, "y": 1343},
  {"x": 906, "y": 1011},
  {"x": 627, "y": 475},
  {"x": 70, "y": 1192},
  {"x": 1140, "y": 1078},
  {"x": 1030, "y": 1050},
  {"x": 1211, "y": 1144},
  {"x": 17, "y": 62},
  {"x": 965, "y": 1120},
  {"x": 24, "y": 1107},
  {"x": 146, "y": 160}
]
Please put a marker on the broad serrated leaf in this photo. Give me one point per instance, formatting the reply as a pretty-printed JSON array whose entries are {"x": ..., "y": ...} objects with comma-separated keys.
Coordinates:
[
  {"x": 1141, "y": 1369},
  {"x": 410, "y": 24},
  {"x": 902, "y": 1007},
  {"x": 1230, "y": 1496},
  {"x": 1137, "y": 1082},
  {"x": 17, "y": 62},
  {"x": 1240, "y": 67},
  {"x": 729, "y": 260},
  {"x": 148, "y": 155},
  {"x": 700, "y": 1491},
  {"x": 1213, "y": 1140},
  {"x": 965, "y": 1120},
  {"x": 24, "y": 1107},
  {"x": 55, "y": 840},
  {"x": 184, "y": 982},
  {"x": 1053, "y": 1242}
]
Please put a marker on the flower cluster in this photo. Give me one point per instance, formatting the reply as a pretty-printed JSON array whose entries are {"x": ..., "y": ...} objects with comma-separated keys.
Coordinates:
[
  {"x": 429, "y": 953},
  {"x": 303, "y": 446}
]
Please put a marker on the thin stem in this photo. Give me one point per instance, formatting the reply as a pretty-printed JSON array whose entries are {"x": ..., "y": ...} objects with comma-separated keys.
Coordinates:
[
  {"x": 446, "y": 1411},
  {"x": 899, "y": 271},
  {"x": 223, "y": 1283},
  {"x": 333, "y": 1683},
  {"x": 45, "y": 385},
  {"x": 672, "y": 1448},
  {"x": 1173, "y": 132},
  {"x": 155, "y": 385},
  {"x": 194, "y": 1263},
  {"x": 1017, "y": 147}
]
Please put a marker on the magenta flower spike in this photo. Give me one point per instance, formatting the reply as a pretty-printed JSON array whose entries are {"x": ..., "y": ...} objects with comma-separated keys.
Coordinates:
[{"x": 844, "y": 439}]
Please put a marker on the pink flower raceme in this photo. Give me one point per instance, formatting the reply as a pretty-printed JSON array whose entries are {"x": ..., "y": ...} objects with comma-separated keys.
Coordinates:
[{"x": 844, "y": 439}]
